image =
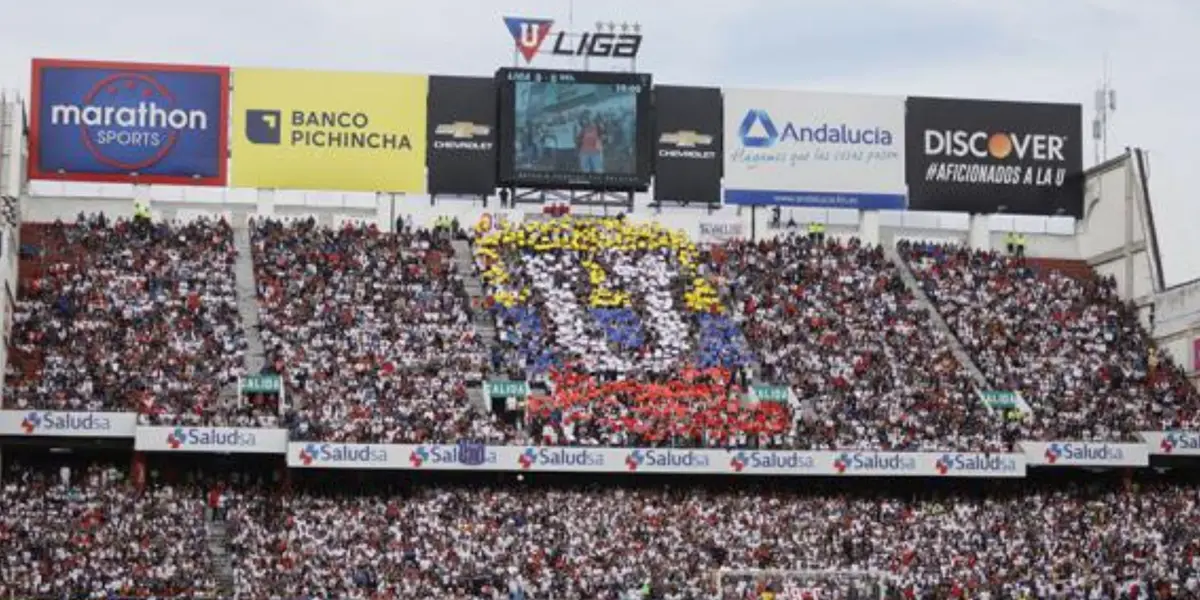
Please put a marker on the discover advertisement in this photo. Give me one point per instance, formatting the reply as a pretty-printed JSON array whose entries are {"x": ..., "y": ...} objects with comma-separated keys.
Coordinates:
[
  {"x": 319, "y": 130},
  {"x": 51, "y": 423},
  {"x": 1086, "y": 454},
  {"x": 120, "y": 122},
  {"x": 814, "y": 149},
  {"x": 977, "y": 156},
  {"x": 232, "y": 440}
]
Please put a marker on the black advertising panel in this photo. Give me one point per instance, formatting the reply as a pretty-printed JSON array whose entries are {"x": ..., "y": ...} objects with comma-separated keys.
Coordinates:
[
  {"x": 461, "y": 129},
  {"x": 688, "y": 147},
  {"x": 574, "y": 129},
  {"x": 977, "y": 156}
]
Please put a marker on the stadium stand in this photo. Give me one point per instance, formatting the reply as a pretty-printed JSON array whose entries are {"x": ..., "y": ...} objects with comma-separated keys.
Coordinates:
[
  {"x": 362, "y": 324},
  {"x": 88, "y": 533},
  {"x": 371, "y": 331},
  {"x": 1098, "y": 540},
  {"x": 834, "y": 321},
  {"x": 129, "y": 316},
  {"x": 1069, "y": 345}
]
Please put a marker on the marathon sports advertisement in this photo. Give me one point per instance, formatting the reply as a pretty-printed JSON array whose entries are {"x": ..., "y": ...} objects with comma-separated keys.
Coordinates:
[
  {"x": 978, "y": 156},
  {"x": 129, "y": 122},
  {"x": 688, "y": 144},
  {"x": 461, "y": 130},
  {"x": 574, "y": 129}
]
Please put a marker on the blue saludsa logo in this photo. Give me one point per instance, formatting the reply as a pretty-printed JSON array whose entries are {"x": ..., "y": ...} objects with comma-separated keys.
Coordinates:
[
  {"x": 1179, "y": 440},
  {"x": 51, "y": 421},
  {"x": 951, "y": 462},
  {"x": 1082, "y": 451},
  {"x": 665, "y": 458},
  {"x": 198, "y": 436},
  {"x": 341, "y": 453}
]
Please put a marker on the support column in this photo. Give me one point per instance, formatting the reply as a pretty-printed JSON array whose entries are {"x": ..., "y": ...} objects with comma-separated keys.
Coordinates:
[{"x": 138, "y": 471}]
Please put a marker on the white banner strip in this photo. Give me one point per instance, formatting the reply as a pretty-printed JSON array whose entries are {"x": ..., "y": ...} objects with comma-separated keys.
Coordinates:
[
  {"x": 1172, "y": 443},
  {"x": 50, "y": 423},
  {"x": 652, "y": 460},
  {"x": 1085, "y": 454},
  {"x": 233, "y": 440}
]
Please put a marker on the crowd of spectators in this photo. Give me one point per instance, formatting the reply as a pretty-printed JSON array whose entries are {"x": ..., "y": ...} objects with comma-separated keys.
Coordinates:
[
  {"x": 88, "y": 533},
  {"x": 1100, "y": 541},
  {"x": 371, "y": 332},
  {"x": 690, "y": 408},
  {"x": 1076, "y": 354},
  {"x": 132, "y": 316},
  {"x": 630, "y": 336},
  {"x": 834, "y": 321},
  {"x": 641, "y": 337}
]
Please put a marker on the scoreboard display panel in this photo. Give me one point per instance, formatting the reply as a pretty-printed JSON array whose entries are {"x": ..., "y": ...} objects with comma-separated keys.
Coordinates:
[{"x": 574, "y": 129}]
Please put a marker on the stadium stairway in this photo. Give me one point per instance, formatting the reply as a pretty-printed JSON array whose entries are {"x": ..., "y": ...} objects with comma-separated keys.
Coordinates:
[
  {"x": 247, "y": 295},
  {"x": 222, "y": 564},
  {"x": 483, "y": 324},
  {"x": 466, "y": 269},
  {"x": 956, "y": 347}
]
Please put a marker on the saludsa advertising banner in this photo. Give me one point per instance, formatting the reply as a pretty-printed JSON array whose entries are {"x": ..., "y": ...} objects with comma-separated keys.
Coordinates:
[
  {"x": 814, "y": 149},
  {"x": 233, "y": 440},
  {"x": 319, "y": 130},
  {"x": 129, "y": 122},
  {"x": 651, "y": 460},
  {"x": 979, "y": 155},
  {"x": 1086, "y": 454},
  {"x": 51, "y": 423},
  {"x": 1172, "y": 443}
]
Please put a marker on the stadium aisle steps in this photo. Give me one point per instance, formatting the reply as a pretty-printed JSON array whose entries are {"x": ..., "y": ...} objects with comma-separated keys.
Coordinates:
[
  {"x": 218, "y": 550},
  {"x": 474, "y": 288},
  {"x": 247, "y": 295},
  {"x": 956, "y": 347}
]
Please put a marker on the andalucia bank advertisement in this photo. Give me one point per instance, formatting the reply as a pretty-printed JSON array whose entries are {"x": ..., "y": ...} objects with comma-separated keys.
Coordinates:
[{"x": 317, "y": 130}]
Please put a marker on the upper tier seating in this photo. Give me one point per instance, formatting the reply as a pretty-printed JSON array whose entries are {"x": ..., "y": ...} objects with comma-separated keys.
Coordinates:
[
  {"x": 1073, "y": 350},
  {"x": 129, "y": 316},
  {"x": 371, "y": 332},
  {"x": 835, "y": 321}
]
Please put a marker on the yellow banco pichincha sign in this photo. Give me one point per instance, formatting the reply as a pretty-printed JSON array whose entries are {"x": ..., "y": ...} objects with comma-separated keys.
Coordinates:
[{"x": 317, "y": 130}]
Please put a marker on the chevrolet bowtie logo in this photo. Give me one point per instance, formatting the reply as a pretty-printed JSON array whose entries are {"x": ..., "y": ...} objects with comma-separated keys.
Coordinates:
[
  {"x": 686, "y": 139},
  {"x": 462, "y": 130}
]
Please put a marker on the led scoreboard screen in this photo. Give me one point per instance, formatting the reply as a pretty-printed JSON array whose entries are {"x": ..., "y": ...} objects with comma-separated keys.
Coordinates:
[{"x": 574, "y": 129}]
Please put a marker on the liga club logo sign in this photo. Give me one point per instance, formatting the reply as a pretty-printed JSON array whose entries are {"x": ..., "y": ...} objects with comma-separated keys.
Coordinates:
[
  {"x": 129, "y": 123},
  {"x": 529, "y": 34}
]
